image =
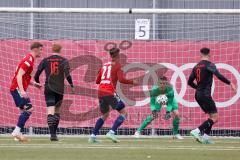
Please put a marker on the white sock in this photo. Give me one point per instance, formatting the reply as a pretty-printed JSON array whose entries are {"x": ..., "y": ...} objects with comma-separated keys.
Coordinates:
[
  {"x": 197, "y": 130},
  {"x": 205, "y": 136},
  {"x": 17, "y": 129},
  {"x": 93, "y": 135},
  {"x": 112, "y": 131}
]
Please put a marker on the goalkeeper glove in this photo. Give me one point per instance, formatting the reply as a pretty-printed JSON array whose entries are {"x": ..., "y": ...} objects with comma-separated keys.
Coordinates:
[{"x": 167, "y": 115}]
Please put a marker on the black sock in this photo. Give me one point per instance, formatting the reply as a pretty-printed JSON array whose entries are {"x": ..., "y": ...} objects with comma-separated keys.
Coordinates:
[
  {"x": 51, "y": 124},
  {"x": 57, "y": 119},
  {"x": 207, "y": 124},
  {"x": 208, "y": 130}
]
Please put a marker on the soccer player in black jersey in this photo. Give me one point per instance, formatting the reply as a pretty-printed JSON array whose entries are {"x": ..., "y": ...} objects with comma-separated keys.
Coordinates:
[
  {"x": 203, "y": 74},
  {"x": 56, "y": 69}
]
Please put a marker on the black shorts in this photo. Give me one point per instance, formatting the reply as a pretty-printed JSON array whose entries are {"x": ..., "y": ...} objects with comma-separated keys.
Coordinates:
[
  {"x": 206, "y": 103},
  {"x": 52, "y": 98},
  {"x": 114, "y": 101}
]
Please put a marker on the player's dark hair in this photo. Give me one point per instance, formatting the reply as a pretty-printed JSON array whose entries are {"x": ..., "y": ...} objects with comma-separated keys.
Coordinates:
[
  {"x": 114, "y": 52},
  {"x": 36, "y": 45},
  {"x": 163, "y": 78},
  {"x": 56, "y": 48},
  {"x": 205, "y": 51}
]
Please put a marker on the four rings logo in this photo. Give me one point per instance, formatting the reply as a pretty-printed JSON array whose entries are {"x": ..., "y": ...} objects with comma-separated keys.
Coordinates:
[{"x": 177, "y": 72}]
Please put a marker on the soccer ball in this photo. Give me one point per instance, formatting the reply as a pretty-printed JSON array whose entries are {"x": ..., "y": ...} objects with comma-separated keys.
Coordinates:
[{"x": 162, "y": 99}]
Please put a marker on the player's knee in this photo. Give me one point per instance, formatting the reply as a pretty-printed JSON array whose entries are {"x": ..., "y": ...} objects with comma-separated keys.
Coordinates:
[
  {"x": 105, "y": 116},
  {"x": 51, "y": 110},
  {"x": 214, "y": 117},
  {"x": 29, "y": 107},
  {"x": 125, "y": 114},
  {"x": 177, "y": 115},
  {"x": 154, "y": 114}
]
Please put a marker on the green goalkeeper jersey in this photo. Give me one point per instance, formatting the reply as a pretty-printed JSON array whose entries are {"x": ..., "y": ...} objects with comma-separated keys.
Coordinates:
[{"x": 169, "y": 92}]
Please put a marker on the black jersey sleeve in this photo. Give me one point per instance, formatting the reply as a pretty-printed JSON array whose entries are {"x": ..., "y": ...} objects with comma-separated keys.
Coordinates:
[
  {"x": 213, "y": 69},
  {"x": 41, "y": 67},
  {"x": 67, "y": 73},
  {"x": 191, "y": 79}
]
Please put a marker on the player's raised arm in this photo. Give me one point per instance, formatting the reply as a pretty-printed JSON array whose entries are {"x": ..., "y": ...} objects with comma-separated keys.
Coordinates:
[
  {"x": 122, "y": 78},
  {"x": 191, "y": 80},
  {"x": 212, "y": 68}
]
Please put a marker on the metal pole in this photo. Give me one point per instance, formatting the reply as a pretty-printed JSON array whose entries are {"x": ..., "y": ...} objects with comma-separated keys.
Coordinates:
[
  {"x": 31, "y": 21},
  {"x": 153, "y": 132}
]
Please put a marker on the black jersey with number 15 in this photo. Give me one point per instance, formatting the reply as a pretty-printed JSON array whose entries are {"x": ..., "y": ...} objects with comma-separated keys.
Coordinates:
[{"x": 203, "y": 74}]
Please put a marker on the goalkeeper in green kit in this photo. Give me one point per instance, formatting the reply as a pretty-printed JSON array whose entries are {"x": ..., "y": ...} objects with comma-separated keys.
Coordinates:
[{"x": 162, "y": 95}]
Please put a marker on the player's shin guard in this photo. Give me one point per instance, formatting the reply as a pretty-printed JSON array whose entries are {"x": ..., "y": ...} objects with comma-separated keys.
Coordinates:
[
  {"x": 57, "y": 120},
  {"x": 207, "y": 124},
  {"x": 118, "y": 122},
  {"x": 98, "y": 125},
  {"x": 175, "y": 125},
  {"x": 51, "y": 124},
  {"x": 145, "y": 123},
  {"x": 23, "y": 119}
]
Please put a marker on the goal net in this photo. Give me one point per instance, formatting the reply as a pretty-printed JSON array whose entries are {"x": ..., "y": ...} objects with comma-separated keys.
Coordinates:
[{"x": 152, "y": 42}]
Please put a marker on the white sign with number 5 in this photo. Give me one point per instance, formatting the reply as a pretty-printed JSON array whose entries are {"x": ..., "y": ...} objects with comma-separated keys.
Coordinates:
[{"x": 142, "y": 29}]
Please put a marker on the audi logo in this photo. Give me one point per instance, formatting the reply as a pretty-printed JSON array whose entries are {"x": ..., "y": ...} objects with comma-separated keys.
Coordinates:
[{"x": 177, "y": 72}]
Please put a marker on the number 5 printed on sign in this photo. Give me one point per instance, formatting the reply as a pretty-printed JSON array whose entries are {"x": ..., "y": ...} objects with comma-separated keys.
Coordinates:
[{"x": 142, "y": 29}]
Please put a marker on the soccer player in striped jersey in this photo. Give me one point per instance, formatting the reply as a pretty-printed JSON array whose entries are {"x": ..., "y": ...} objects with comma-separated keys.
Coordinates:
[
  {"x": 107, "y": 79},
  {"x": 20, "y": 83},
  {"x": 57, "y": 69},
  {"x": 203, "y": 74}
]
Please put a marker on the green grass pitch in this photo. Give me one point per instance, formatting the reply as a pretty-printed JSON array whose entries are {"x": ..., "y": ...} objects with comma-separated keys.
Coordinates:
[{"x": 128, "y": 149}]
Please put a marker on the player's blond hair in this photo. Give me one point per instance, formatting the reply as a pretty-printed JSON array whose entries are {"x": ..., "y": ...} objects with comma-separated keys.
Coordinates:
[{"x": 56, "y": 48}]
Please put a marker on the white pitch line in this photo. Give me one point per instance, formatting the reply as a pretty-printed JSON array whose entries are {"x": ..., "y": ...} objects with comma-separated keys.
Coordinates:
[
  {"x": 123, "y": 140},
  {"x": 115, "y": 145},
  {"x": 123, "y": 147}
]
